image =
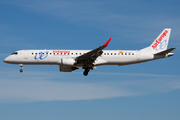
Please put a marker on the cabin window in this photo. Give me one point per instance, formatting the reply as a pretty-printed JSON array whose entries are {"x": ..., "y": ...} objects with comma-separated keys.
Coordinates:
[{"x": 114, "y": 53}]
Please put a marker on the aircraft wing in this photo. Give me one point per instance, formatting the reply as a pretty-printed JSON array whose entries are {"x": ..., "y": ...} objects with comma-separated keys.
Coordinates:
[{"x": 92, "y": 55}]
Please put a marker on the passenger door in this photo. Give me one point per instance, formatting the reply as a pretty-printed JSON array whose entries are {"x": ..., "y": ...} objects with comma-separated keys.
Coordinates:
[{"x": 26, "y": 54}]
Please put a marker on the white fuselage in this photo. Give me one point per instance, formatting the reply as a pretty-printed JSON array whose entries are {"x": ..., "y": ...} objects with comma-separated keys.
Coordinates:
[
  {"x": 54, "y": 57},
  {"x": 70, "y": 60}
]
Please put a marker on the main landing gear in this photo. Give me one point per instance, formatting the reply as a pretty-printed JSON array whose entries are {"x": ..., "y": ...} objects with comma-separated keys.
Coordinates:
[
  {"x": 21, "y": 65},
  {"x": 86, "y": 71}
]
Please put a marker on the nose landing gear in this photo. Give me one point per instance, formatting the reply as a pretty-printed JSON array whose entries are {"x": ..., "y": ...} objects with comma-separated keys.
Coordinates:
[
  {"x": 21, "y": 70},
  {"x": 21, "y": 65}
]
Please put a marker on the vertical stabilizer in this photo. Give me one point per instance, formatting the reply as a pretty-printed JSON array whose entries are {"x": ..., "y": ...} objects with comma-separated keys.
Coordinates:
[{"x": 160, "y": 43}]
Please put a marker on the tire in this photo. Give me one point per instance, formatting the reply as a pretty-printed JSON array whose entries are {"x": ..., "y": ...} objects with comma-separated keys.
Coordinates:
[
  {"x": 21, "y": 70},
  {"x": 85, "y": 73}
]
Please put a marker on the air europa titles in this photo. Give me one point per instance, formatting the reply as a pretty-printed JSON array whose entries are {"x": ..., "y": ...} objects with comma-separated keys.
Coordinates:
[
  {"x": 58, "y": 51},
  {"x": 155, "y": 44}
]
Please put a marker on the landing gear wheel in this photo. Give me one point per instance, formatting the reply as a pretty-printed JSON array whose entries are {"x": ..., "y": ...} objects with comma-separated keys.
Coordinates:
[
  {"x": 21, "y": 70},
  {"x": 21, "y": 65},
  {"x": 86, "y": 71}
]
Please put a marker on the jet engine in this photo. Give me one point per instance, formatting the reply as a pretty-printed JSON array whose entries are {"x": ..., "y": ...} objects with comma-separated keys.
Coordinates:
[
  {"x": 67, "y": 68},
  {"x": 67, "y": 62}
]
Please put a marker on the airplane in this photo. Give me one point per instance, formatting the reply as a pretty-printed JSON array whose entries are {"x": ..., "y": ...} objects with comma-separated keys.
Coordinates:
[{"x": 70, "y": 60}]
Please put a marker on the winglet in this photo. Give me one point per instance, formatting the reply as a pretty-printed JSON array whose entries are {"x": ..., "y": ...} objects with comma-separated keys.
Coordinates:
[{"x": 106, "y": 44}]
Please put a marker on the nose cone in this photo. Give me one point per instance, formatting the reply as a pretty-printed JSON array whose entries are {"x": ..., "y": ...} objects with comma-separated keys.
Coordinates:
[{"x": 5, "y": 60}]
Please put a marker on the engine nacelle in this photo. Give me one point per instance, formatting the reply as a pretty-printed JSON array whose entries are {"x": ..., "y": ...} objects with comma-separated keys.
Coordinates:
[
  {"x": 67, "y": 61},
  {"x": 67, "y": 68}
]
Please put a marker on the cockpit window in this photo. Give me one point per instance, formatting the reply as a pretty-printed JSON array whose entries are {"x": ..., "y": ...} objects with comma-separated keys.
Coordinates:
[{"x": 14, "y": 53}]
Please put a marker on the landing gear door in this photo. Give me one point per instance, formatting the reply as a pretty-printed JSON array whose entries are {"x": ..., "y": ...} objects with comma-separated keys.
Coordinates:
[{"x": 26, "y": 54}]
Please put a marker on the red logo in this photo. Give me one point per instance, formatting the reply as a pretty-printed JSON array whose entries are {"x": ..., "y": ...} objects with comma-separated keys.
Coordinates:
[
  {"x": 58, "y": 51},
  {"x": 156, "y": 43}
]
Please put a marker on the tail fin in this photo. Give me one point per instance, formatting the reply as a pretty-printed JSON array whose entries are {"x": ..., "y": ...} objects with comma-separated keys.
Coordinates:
[{"x": 160, "y": 43}]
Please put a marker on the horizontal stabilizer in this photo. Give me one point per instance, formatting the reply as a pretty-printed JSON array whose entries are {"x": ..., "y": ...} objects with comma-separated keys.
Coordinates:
[{"x": 165, "y": 51}]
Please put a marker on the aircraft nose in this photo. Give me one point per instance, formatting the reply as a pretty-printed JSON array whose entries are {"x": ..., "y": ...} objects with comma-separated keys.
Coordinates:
[{"x": 5, "y": 60}]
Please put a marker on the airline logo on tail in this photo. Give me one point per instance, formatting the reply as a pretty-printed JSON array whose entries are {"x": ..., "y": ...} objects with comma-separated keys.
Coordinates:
[
  {"x": 162, "y": 45},
  {"x": 156, "y": 43}
]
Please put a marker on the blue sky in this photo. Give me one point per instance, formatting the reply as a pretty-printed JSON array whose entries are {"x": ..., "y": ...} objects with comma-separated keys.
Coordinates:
[{"x": 141, "y": 91}]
